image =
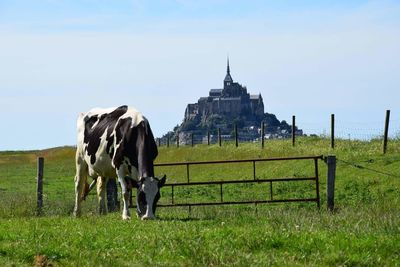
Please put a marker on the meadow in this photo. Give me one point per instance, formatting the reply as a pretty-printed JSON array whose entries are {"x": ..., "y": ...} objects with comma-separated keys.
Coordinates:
[{"x": 364, "y": 229}]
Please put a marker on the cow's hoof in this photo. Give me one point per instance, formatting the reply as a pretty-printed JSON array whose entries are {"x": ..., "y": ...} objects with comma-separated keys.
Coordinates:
[
  {"x": 126, "y": 217},
  {"x": 76, "y": 214}
]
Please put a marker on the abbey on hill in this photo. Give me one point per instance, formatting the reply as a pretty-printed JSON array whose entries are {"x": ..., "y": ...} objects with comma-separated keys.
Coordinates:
[
  {"x": 228, "y": 106},
  {"x": 232, "y": 101}
]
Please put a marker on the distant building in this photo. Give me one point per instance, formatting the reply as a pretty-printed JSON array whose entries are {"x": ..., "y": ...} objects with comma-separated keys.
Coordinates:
[
  {"x": 224, "y": 108},
  {"x": 232, "y": 101}
]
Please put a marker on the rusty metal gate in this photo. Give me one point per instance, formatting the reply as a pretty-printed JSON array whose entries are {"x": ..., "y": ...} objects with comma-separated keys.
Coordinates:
[{"x": 221, "y": 183}]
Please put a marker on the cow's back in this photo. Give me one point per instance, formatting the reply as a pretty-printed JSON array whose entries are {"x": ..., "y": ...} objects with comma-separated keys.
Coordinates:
[{"x": 100, "y": 135}]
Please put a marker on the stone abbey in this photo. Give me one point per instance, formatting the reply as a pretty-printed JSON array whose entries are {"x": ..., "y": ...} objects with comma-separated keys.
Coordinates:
[
  {"x": 232, "y": 102},
  {"x": 225, "y": 108}
]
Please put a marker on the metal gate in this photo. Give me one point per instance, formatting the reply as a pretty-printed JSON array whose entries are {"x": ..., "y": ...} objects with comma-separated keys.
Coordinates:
[{"x": 221, "y": 183}]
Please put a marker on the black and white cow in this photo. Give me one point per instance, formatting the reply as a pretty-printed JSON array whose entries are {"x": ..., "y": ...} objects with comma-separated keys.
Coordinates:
[{"x": 117, "y": 142}]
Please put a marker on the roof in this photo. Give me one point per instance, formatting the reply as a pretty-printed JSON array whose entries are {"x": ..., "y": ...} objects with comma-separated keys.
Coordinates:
[
  {"x": 230, "y": 99},
  {"x": 255, "y": 97},
  {"x": 228, "y": 78},
  {"x": 216, "y": 90}
]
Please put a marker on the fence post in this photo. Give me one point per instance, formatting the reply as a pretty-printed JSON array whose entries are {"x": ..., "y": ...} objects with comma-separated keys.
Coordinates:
[
  {"x": 332, "y": 131},
  {"x": 167, "y": 139},
  {"x": 192, "y": 138},
  {"x": 262, "y": 134},
  {"x": 112, "y": 195},
  {"x": 293, "y": 130},
  {"x": 219, "y": 136},
  {"x": 208, "y": 137},
  {"x": 330, "y": 188},
  {"x": 40, "y": 167},
  {"x": 385, "y": 135},
  {"x": 177, "y": 139},
  {"x": 236, "y": 136}
]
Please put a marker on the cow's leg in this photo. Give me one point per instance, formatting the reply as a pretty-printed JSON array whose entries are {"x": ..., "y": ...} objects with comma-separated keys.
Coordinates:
[
  {"x": 101, "y": 194},
  {"x": 125, "y": 194},
  {"x": 80, "y": 182}
]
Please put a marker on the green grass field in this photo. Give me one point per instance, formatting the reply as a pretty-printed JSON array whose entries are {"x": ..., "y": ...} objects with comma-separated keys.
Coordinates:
[{"x": 363, "y": 231}]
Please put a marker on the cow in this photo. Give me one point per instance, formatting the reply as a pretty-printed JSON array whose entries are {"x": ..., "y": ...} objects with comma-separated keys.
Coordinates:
[{"x": 117, "y": 142}]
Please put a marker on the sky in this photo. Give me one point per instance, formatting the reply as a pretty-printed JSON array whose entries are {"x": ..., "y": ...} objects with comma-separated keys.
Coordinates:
[{"x": 307, "y": 58}]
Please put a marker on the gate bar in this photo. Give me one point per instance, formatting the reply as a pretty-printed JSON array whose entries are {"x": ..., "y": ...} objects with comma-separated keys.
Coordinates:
[
  {"x": 317, "y": 181},
  {"x": 245, "y": 181},
  {"x": 237, "y": 202},
  {"x": 234, "y": 161}
]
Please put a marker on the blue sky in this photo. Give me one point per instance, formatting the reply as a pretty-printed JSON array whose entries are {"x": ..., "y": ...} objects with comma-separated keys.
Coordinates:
[{"x": 306, "y": 58}]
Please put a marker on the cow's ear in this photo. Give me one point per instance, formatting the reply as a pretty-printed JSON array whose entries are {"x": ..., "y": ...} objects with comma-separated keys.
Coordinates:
[{"x": 162, "y": 181}]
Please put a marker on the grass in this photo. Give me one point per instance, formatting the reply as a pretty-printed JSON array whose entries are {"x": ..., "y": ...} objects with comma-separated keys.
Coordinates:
[
  {"x": 276, "y": 237},
  {"x": 363, "y": 231}
]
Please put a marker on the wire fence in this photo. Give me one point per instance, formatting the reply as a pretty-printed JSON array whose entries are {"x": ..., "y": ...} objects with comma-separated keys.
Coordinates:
[
  {"x": 351, "y": 130},
  {"x": 344, "y": 130},
  {"x": 359, "y": 166}
]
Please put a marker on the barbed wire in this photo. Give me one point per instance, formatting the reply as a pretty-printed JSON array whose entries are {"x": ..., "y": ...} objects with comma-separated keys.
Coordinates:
[
  {"x": 367, "y": 168},
  {"x": 372, "y": 160}
]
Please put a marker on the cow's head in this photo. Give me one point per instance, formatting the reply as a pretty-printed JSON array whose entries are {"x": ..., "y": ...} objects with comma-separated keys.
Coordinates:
[{"x": 147, "y": 196}]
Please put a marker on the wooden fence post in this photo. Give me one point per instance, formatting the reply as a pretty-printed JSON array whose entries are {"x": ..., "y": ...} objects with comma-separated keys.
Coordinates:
[
  {"x": 293, "y": 130},
  {"x": 385, "y": 134},
  {"x": 236, "y": 136},
  {"x": 167, "y": 139},
  {"x": 112, "y": 195},
  {"x": 40, "y": 167},
  {"x": 192, "y": 138},
  {"x": 219, "y": 136},
  {"x": 330, "y": 188},
  {"x": 332, "y": 131},
  {"x": 262, "y": 134},
  {"x": 177, "y": 139},
  {"x": 208, "y": 137}
]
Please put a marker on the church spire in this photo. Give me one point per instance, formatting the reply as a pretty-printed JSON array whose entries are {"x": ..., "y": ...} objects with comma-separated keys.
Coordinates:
[
  {"x": 228, "y": 77},
  {"x": 228, "y": 71}
]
